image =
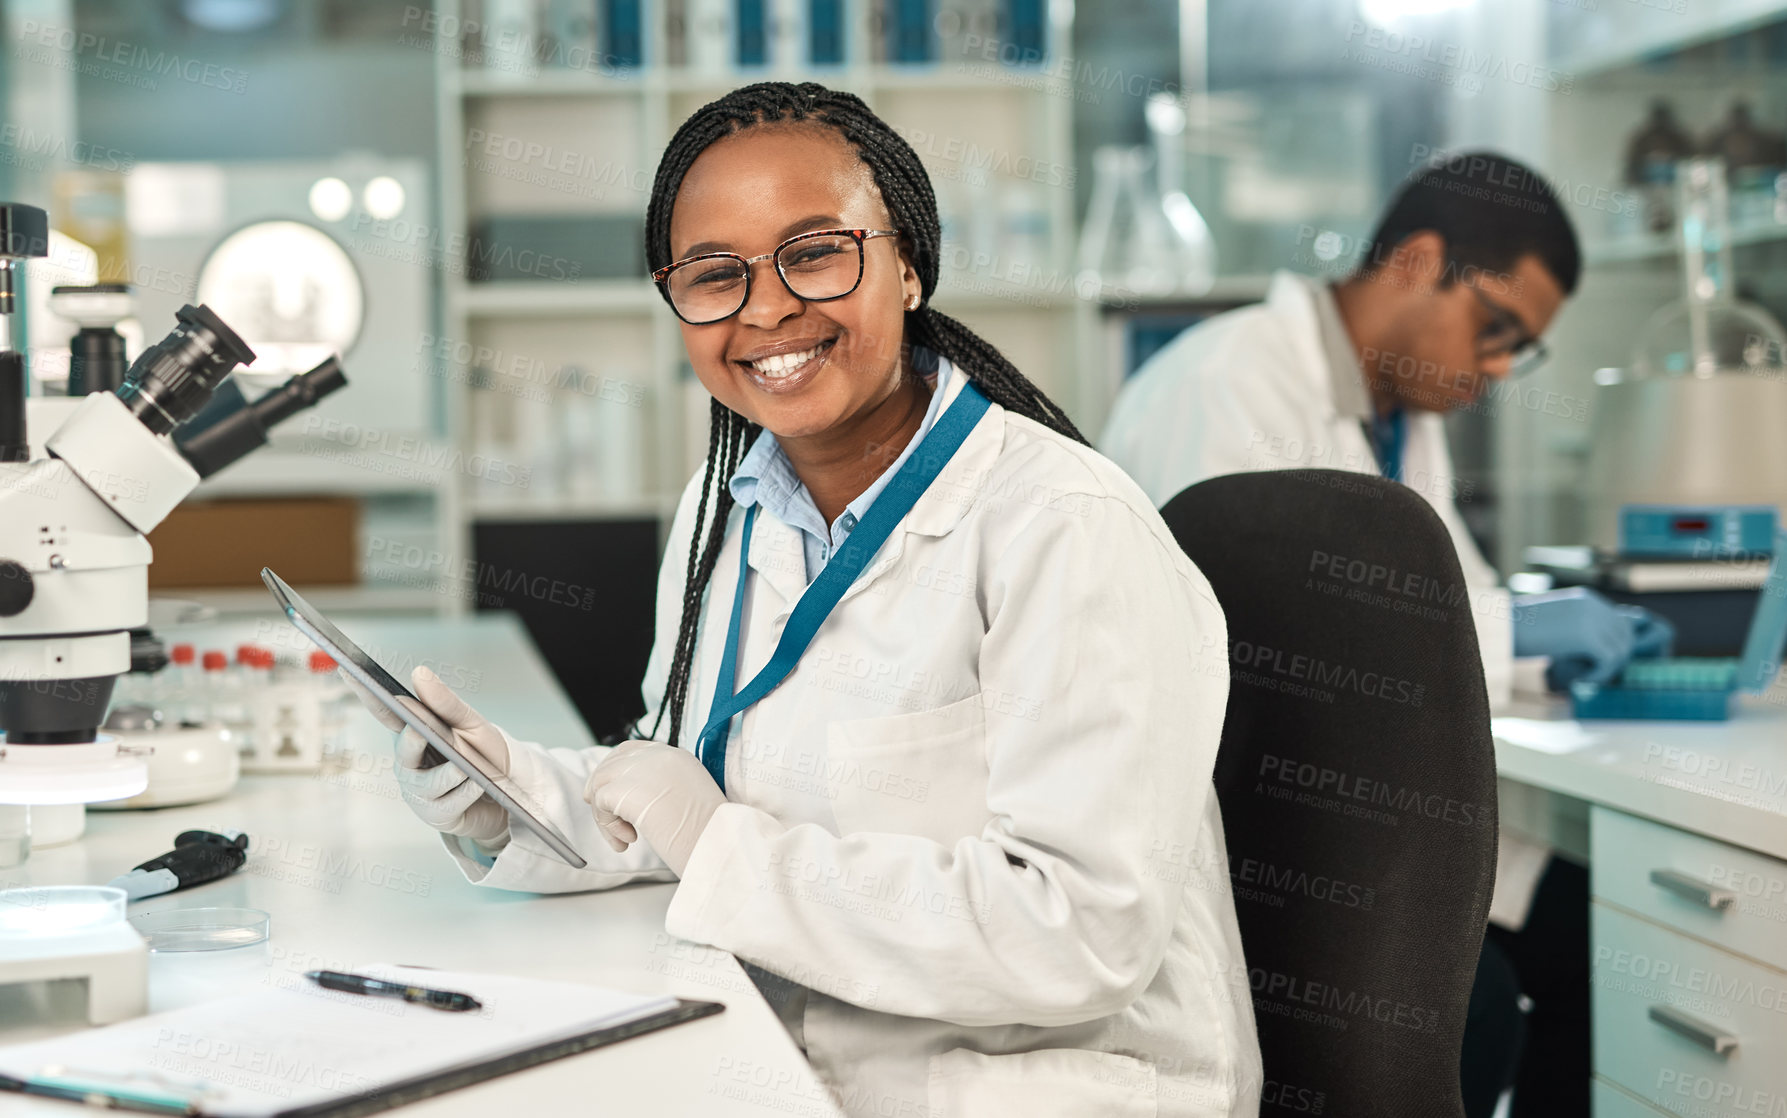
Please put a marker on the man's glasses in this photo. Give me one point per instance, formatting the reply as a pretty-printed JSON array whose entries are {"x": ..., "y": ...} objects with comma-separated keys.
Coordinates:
[
  {"x": 1507, "y": 335},
  {"x": 815, "y": 267}
]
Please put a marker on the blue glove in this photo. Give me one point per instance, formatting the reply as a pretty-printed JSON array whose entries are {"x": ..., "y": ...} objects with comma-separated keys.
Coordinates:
[
  {"x": 1586, "y": 636},
  {"x": 1651, "y": 635}
]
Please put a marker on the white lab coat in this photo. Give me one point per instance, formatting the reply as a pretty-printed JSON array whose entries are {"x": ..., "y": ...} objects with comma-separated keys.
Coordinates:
[
  {"x": 975, "y": 826},
  {"x": 1251, "y": 390}
]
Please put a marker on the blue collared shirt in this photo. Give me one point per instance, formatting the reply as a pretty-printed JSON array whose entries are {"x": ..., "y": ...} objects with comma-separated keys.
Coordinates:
[{"x": 766, "y": 478}]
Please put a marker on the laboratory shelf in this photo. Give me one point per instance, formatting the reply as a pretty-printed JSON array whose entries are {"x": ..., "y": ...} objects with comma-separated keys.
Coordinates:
[
  {"x": 717, "y": 82},
  {"x": 1633, "y": 33},
  {"x": 946, "y": 76},
  {"x": 590, "y": 507},
  {"x": 962, "y": 75},
  {"x": 1244, "y": 289},
  {"x": 361, "y": 462},
  {"x": 1665, "y": 245},
  {"x": 1226, "y": 291},
  {"x": 237, "y": 601},
  {"x": 547, "y": 300},
  {"x": 984, "y": 295},
  {"x": 547, "y": 83}
]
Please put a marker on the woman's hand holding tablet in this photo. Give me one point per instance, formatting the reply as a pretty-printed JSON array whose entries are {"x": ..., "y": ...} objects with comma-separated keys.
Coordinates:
[
  {"x": 440, "y": 798},
  {"x": 441, "y": 795}
]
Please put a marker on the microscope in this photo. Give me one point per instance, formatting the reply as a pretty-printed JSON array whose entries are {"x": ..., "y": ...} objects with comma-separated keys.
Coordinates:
[{"x": 83, "y": 479}]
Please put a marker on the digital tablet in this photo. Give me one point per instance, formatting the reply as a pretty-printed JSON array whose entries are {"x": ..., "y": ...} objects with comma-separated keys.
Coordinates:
[{"x": 385, "y": 686}]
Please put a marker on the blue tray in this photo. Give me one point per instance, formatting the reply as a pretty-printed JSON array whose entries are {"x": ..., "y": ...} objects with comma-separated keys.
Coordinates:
[{"x": 1589, "y": 701}]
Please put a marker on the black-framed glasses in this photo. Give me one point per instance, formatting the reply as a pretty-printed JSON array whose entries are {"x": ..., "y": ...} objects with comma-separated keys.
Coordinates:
[
  {"x": 1506, "y": 335},
  {"x": 815, "y": 267}
]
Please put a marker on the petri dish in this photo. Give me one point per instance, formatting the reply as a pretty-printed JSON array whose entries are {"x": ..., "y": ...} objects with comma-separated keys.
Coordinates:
[
  {"x": 202, "y": 929},
  {"x": 59, "y": 910}
]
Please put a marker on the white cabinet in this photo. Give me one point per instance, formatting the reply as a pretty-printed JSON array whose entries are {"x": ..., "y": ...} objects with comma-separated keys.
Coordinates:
[
  {"x": 1691, "y": 1028},
  {"x": 1733, "y": 898},
  {"x": 1611, "y": 1102},
  {"x": 1680, "y": 1020}
]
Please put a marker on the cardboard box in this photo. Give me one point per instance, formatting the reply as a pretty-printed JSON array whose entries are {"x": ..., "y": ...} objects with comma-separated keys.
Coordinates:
[{"x": 310, "y": 541}]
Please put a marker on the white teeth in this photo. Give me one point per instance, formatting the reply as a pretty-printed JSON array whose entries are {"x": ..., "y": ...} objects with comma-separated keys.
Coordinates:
[{"x": 782, "y": 364}]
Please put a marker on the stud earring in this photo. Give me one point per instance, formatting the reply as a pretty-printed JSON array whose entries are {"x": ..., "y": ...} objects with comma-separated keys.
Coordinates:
[{"x": 912, "y": 303}]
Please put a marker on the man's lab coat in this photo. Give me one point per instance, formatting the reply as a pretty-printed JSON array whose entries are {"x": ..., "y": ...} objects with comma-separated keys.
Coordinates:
[
  {"x": 1265, "y": 387},
  {"x": 1256, "y": 389}
]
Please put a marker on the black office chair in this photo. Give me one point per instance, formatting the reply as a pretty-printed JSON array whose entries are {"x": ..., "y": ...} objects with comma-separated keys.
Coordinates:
[{"x": 1357, "y": 782}]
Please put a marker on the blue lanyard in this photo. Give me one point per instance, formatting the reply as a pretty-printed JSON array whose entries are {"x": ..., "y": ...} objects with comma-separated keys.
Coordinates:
[
  {"x": 822, "y": 596},
  {"x": 1389, "y": 436}
]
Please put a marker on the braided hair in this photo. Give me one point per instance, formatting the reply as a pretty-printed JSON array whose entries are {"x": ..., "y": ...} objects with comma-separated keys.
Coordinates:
[{"x": 906, "y": 191}]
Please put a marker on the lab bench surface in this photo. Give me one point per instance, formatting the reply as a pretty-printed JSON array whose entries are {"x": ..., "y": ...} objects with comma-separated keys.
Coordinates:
[
  {"x": 350, "y": 877},
  {"x": 1724, "y": 780},
  {"x": 486, "y": 657}
]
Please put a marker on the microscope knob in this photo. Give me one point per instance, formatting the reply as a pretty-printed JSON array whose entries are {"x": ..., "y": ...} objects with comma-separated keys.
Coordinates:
[{"x": 16, "y": 588}]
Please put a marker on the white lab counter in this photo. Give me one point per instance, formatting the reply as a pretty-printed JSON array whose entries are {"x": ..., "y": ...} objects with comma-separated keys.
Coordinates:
[
  {"x": 350, "y": 876},
  {"x": 1725, "y": 780},
  {"x": 1684, "y": 829}
]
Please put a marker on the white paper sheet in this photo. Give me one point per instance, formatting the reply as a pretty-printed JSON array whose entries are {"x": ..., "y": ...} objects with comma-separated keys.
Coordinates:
[
  {"x": 1561, "y": 736},
  {"x": 298, "y": 1044}
]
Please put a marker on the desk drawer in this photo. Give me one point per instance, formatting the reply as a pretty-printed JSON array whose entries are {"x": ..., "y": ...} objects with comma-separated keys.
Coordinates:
[
  {"x": 1724, "y": 894},
  {"x": 1706, "y": 999},
  {"x": 1611, "y": 1102}
]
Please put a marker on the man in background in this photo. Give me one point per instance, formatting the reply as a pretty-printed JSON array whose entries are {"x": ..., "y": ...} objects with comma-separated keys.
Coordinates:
[{"x": 1466, "y": 271}]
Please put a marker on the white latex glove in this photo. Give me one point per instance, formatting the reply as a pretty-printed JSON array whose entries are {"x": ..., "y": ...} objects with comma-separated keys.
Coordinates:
[
  {"x": 442, "y": 796},
  {"x": 649, "y": 790}
]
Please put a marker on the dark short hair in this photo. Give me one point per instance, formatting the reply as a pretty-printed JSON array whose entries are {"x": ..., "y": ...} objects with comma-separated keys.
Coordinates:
[{"x": 1491, "y": 211}]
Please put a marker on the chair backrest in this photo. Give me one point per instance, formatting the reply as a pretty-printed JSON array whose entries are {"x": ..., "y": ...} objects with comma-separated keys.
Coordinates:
[{"x": 1357, "y": 782}]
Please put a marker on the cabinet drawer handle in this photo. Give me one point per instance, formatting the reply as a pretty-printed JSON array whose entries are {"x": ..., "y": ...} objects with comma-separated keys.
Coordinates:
[
  {"x": 1700, "y": 892},
  {"x": 1705, "y": 1035}
]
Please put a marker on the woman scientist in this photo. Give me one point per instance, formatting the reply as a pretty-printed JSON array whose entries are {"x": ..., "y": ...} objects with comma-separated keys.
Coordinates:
[{"x": 935, "y": 696}]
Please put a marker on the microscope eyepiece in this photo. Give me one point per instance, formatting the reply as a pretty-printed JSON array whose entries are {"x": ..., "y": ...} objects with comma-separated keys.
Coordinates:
[
  {"x": 303, "y": 391},
  {"x": 231, "y": 427},
  {"x": 173, "y": 378}
]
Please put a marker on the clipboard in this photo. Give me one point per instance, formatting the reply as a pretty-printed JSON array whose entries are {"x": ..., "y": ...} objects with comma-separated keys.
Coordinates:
[
  {"x": 118, "y": 1096},
  {"x": 415, "y": 1090},
  {"x": 143, "y": 1090}
]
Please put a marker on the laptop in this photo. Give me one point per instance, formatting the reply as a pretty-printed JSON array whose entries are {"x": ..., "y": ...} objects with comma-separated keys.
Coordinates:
[{"x": 1701, "y": 688}]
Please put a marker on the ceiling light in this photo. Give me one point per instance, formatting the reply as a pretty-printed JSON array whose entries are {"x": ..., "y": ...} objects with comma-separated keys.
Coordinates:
[
  {"x": 330, "y": 199},
  {"x": 383, "y": 198}
]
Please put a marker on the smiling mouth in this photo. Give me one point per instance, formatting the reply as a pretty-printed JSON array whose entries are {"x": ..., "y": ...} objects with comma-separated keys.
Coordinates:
[{"x": 784, "y": 371}]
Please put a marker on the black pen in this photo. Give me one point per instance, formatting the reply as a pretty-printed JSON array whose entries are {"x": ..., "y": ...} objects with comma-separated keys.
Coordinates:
[{"x": 379, "y": 988}]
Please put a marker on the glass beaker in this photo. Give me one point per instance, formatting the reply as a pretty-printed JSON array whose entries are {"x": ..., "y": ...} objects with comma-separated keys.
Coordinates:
[
  {"x": 1136, "y": 239},
  {"x": 1709, "y": 330},
  {"x": 15, "y": 835}
]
